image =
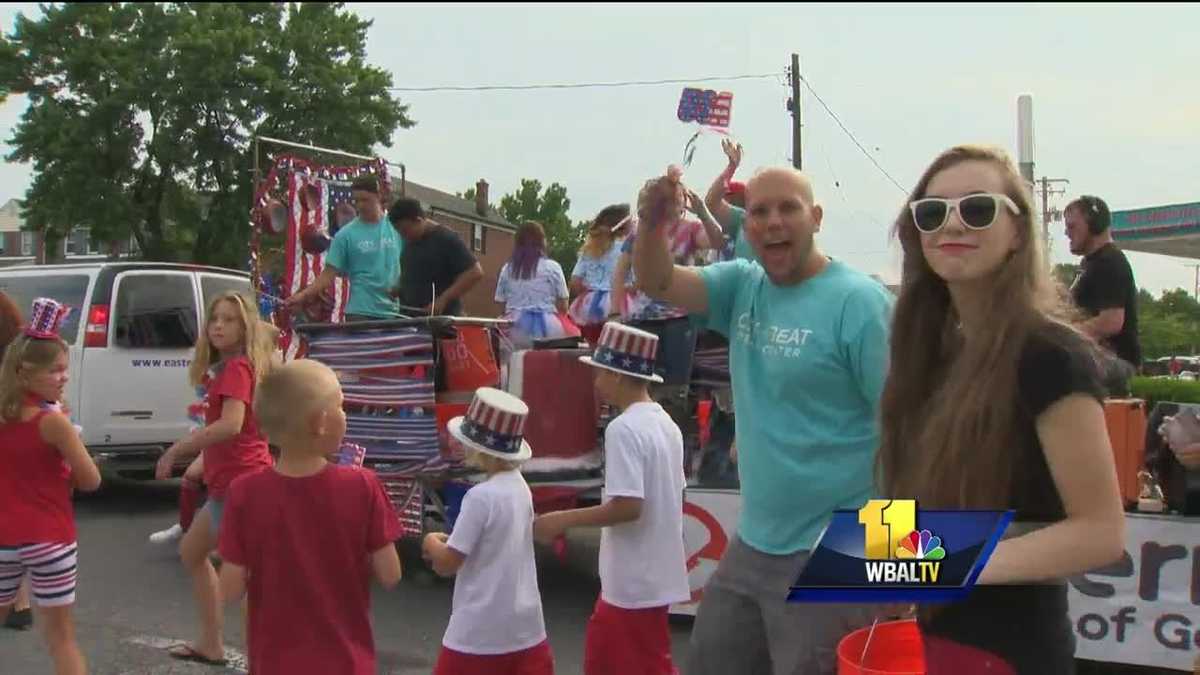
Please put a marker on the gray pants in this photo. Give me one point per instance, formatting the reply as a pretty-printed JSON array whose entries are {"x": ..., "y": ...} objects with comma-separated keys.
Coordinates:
[{"x": 745, "y": 626}]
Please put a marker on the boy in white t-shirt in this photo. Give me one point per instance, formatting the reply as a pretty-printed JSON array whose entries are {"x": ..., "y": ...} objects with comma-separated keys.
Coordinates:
[
  {"x": 496, "y": 625},
  {"x": 643, "y": 568}
]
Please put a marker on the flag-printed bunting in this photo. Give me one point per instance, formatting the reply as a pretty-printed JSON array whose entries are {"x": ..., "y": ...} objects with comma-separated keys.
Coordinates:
[{"x": 302, "y": 269}]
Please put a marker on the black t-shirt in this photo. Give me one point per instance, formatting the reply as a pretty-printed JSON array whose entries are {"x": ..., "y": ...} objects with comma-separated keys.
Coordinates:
[
  {"x": 438, "y": 257},
  {"x": 1105, "y": 282},
  {"x": 1028, "y": 625}
]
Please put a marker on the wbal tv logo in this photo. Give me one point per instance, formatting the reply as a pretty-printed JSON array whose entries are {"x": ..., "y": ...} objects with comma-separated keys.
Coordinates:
[
  {"x": 891, "y": 551},
  {"x": 896, "y": 551}
]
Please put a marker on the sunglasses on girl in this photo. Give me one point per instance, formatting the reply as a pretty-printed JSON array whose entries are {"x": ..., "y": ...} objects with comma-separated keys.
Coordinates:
[{"x": 977, "y": 211}]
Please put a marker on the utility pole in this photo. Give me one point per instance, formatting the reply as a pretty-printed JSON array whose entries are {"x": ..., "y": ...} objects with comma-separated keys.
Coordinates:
[
  {"x": 794, "y": 107},
  {"x": 1047, "y": 191}
]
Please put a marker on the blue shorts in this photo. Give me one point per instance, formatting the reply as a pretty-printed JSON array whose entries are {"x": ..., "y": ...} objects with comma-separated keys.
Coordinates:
[{"x": 216, "y": 509}]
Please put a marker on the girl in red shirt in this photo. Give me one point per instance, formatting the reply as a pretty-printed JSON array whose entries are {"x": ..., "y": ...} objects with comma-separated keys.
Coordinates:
[
  {"x": 41, "y": 459},
  {"x": 234, "y": 351}
]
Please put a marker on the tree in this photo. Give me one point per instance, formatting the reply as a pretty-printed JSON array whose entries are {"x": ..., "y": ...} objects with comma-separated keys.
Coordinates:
[
  {"x": 529, "y": 202},
  {"x": 1168, "y": 326},
  {"x": 1065, "y": 273},
  {"x": 141, "y": 115}
]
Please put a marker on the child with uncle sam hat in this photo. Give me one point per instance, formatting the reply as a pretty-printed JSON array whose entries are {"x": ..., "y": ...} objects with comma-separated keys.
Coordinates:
[
  {"x": 496, "y": 624},
  {"x": 42, "y": 461},
  {"x": 643, "y": 567}
]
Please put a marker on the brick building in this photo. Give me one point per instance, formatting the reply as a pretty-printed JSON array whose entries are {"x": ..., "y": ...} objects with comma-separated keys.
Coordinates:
[
  {"x": 481, "y": 227},
  {"x": 19, "y": 246}
]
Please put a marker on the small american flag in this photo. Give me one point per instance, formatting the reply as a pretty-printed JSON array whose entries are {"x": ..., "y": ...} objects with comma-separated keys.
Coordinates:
[
  {"x": 708, "y": 107},
  {"x": 339, "y": 193}
]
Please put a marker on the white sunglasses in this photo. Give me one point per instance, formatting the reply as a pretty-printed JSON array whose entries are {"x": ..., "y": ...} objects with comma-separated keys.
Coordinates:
[{"x": 977, "y": 211}]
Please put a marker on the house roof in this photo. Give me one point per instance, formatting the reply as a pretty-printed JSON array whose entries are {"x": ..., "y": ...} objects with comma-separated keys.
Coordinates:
[{"x": 436, "y": 201}]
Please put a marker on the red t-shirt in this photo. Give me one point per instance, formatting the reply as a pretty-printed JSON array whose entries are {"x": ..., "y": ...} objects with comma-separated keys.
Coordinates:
[
  {"x": 245, "y": 453},
  {"x": 35, "y": 488},
  {"x": 305, "y": 544}
]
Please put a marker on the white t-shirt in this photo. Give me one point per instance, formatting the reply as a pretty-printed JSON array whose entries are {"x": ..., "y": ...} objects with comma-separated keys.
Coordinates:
[
  {"x": 643, "y": 563},
  {"x": 497, "y": 608}
]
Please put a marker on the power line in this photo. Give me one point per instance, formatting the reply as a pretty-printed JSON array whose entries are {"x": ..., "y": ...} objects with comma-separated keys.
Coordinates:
[
  {"x": 580, "y": 85},
  {"x": 851, "y": 135}
]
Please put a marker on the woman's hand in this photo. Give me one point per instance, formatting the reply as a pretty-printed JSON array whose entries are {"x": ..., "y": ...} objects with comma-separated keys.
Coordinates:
[{"x": 733, "y": 151}]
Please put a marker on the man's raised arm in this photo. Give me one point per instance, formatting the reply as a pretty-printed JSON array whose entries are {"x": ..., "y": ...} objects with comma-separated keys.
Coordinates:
[{"x": 657, "y": 274}]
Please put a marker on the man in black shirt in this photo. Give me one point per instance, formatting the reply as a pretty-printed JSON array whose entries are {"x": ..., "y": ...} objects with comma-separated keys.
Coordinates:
[
  {"x": 1105, "y": 289},
  {"x": 436, "y": 268}
]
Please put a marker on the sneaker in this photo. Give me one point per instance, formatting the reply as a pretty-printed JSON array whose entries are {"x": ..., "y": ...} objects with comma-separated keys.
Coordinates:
[
  {"x": 168, "y": 535},
  {"x": 19, "y": 619}
]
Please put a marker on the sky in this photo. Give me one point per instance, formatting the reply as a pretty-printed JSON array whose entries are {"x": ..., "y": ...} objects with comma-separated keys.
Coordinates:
[{"x": 1114, "y": 102}]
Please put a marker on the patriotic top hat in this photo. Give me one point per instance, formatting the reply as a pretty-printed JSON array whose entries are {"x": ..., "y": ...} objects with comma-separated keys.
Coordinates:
[
  {"x": 494, "y": 424},
  {"x": 625, "y": 350},
  {"x": 45, "y": 318}
]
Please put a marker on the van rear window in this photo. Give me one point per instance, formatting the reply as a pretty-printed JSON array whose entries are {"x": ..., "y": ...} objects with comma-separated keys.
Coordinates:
[
  {"x": 155, "y": 311},
  {"x": 69, "y": 289}
]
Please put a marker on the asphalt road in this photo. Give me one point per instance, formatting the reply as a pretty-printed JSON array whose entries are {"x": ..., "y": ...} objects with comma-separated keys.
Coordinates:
[{"x": 134, "y": 599}]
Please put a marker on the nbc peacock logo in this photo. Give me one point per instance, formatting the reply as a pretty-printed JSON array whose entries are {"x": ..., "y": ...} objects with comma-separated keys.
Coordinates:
[
  {"x": 923, "y": 545},
  {"x": 896, "y": 551}
]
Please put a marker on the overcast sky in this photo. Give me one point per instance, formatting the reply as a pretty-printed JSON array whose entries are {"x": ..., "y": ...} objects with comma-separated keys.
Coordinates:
[{"x": 1115, "y": 101}]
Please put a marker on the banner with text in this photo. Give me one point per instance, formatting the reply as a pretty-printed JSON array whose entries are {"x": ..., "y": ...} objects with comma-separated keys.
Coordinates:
[{"x": 1145, "y": 609}]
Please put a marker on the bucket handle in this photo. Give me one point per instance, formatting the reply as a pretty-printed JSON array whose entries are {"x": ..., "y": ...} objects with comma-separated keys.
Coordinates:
[{"x": 862, "y": 659}]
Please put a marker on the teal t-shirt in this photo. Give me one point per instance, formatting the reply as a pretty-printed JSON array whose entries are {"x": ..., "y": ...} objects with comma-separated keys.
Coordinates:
[
  {"x": 369, "y": 255},
  {"x": 808, "y": 363},
  {"x": 737, "y": 231}
]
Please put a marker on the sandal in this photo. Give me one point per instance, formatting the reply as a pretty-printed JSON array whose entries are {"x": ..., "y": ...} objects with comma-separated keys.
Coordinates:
[
  {"x": 19, "y": 619},
  {"x": 189, "y": 653}
]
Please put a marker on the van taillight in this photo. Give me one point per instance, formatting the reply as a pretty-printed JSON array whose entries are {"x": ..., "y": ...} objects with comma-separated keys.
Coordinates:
[{"x": 96, "y": 332}]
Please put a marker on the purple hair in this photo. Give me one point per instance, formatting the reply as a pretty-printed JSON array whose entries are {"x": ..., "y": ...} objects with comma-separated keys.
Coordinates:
[{"x": 528, "y": 248}]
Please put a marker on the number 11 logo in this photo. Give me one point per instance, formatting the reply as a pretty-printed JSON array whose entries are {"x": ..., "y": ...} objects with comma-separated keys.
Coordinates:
[{"x": 886, "y": 522}]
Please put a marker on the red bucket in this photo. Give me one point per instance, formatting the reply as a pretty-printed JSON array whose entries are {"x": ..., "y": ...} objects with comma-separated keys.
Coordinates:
[{"x": 889, "y": 648}]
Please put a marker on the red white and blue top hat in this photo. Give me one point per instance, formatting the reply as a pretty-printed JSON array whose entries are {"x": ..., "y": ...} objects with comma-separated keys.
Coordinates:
[
  {"x": 625, "y": 350},
  {"x": 46, "y": 318},
  {"x": 494, "y": 424}
]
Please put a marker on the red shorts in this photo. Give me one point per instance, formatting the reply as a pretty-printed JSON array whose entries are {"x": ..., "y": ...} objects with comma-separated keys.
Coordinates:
[
  {"x": 627, "y": 642},
  {"x": 537, "y": 660}
]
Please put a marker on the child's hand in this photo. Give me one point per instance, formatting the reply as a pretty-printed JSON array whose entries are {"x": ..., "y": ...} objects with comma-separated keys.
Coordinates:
[
  {"x": 427, "y": 543},
  {"x": 166, "y": 464},
  {"x": 547, "y": 528}
]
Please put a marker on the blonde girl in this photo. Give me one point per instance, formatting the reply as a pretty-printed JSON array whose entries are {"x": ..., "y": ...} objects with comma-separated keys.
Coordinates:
[
  {"x": 233, "y": 352},
  {"x": 42, "y": 459}
]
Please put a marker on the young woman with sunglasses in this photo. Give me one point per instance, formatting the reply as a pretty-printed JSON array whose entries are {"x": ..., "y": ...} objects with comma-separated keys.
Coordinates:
[{"x": 993, "y": 402}]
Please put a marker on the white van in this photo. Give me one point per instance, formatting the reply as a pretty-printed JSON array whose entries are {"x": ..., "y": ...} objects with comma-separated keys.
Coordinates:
[{"x": 132, "y": 330}]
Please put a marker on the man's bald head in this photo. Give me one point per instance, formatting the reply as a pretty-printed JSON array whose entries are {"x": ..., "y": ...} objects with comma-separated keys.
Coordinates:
[
  {"x": 781, "y": 221},
  {"x": 781, "y": 177}
]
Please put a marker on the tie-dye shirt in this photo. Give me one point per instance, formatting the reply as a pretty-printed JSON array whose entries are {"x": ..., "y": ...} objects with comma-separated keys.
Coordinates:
[{"x": 683, "y": 240}]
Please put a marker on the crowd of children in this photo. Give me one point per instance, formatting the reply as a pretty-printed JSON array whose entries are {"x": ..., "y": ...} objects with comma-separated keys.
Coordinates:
[{"x": 300, "y": 536}]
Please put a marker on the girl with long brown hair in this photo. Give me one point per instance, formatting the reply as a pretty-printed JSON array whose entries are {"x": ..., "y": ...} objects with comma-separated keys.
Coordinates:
[
  {"x": 533, "y": 290},
  {"x": 21, "y": 616},
  {"x": 994, "y": 402}
]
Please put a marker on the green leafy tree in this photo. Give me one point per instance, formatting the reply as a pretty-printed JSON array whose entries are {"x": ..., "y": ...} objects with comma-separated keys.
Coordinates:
[
  {"x": 1168, "y": 326},
  {"x": 1065, "y": 273},
  {"x": 141, "y": 115},
  {"x": 548, "y": 207}
]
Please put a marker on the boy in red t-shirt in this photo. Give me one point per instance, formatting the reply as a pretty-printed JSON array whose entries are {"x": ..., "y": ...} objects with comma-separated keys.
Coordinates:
[{"x": 305, "y": 538}]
